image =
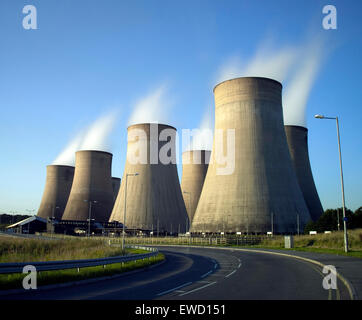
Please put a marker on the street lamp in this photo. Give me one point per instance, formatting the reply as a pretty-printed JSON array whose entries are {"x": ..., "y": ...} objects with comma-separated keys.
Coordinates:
[
  {"x": 125, "y": 204},
  {"x": 89, "y": 213},
  {"x": 189, "y": 193},
  {"x": 318, "y": 116}
]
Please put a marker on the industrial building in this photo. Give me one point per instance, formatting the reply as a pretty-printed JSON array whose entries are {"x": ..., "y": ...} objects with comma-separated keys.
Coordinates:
[
  {"x": 297, "y": 138},
  {"x": 116, "y": 184},
  {"x": 262, "y": 193},
  {"x": 58, "y": 184},
  {"x": 194, "y": 168},
  {"x": 150, "y": 195},
  {"x": 92, "y": 193}
]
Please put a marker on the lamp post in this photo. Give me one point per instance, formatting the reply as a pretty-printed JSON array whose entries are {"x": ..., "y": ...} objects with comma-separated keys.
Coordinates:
[
  {"x": 90, "y": 213},
  {"x": 318, "y": 116},
  {"x": 189, "y": 193},
  {"x": 125, "y": 205}
]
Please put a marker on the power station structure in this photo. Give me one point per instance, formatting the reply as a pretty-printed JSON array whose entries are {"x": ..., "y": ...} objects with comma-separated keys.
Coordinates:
[
  {"x": 255, "y": 189},
  {"x": 194, "y": 168},
  {"x": 152, "y": 199},
  {"x": 116, "y": 183},
  {"x": 58, "y": 184},
  {"x": 92, "y": 192},
  {"x": 297, "y": 138}
]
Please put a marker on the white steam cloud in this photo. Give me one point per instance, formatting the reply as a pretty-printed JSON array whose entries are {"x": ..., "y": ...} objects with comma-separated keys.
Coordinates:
[
  {"x": 153, "y": 108},
  {"x": 300, "y": 63},
  {"x": 66, "y": 157},
  {"x": 297, "y": 91},
  {"x": 267, "y": 62},
  {"x": 95, "y": 137}
]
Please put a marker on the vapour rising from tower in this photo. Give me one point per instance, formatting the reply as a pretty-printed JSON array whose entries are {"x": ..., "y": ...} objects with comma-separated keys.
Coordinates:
[
  {"x": 194, "y": 169},
  {"x": 297, "y": 138},
  {"x": 154, "y": 200},
  {"x": 92, "y": 182},
  {"x": 262, "y": 194},
  {"x": 58, "y": 184}
]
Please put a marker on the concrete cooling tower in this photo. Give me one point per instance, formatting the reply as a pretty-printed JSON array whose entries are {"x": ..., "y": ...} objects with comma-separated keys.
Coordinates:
[
  {"x": 261, "y": 193},
  {"x": 56, "y": 192},
  {"x": 194, "y": 168},
  {"x": 154, "y": 200},
  {"x": 297, "y": 138},
  {"x": 92, "y": 182},
  {"x": 116, "y": 183}
]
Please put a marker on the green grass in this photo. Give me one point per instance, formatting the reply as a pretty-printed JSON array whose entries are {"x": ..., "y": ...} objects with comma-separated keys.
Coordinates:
[
  {"x": 31, "y": 250},
  {"x": 14, "y": 281}
]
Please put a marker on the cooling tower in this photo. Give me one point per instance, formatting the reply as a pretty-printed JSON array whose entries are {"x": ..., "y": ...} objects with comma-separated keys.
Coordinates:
[
  {"x": 92, "y": 182},
  {"x": 56, "y": 192},
  {"x": 194, "y": 168},
  {"x": 261, "y": 193},
  {"x": 297, "y": 138},
  {"x": 116, "y": 183},
  {"x": 154, "y": 199}
]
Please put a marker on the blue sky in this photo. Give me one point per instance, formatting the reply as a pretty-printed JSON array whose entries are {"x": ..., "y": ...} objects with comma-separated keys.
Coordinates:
[{"x": 90, "y": 57}]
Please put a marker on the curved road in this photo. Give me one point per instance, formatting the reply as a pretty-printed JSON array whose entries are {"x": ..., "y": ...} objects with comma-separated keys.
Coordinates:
[{"x": 207, "y": 274}]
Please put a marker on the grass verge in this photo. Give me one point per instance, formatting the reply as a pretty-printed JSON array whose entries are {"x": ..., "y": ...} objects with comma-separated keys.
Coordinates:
[{"x": 14, "y": 281}]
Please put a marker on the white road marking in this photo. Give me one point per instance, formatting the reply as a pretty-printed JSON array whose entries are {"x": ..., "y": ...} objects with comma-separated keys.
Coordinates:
[
  {"x": 168, "y": 291},
  {"x": 206, "y": 274},
  {"x": 197, "y": 289},
  {"x": 230, "y": 274}
]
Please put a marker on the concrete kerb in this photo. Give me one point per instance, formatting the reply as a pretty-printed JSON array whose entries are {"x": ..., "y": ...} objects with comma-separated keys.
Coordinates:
[
  {"x": 80, "y": 282},
  {"x": 351, "y": 290}
]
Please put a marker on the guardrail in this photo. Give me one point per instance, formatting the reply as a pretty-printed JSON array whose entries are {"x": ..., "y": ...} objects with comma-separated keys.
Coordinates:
[{"x": 17, "y": 267}]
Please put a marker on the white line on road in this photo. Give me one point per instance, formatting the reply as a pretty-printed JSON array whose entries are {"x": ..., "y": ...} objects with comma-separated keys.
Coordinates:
[
  {"x": 206, "y": 274},
  {"x": 197, "y": 289},
  {"x": 230, "y": 274},
  {"x": 168, "y": 291}
]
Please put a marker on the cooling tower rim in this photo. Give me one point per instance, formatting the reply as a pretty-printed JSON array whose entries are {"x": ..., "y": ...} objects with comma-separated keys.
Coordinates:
[
  {"x": 94, "y": 151},
  {"x": 263, "y": 78},
  {"x": 149, "y": 123},
  {"x": 59, "y": 166},
  {"x": 296, "y": 126}
]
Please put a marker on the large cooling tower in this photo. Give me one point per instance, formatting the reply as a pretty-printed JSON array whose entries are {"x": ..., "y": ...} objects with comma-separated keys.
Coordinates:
[
  {"x": 92, "y": 182},
  {"x": 262, "y": 193},
  {"x": 297, "y": 138},
  {"x": 56, "y": 192},
  {"x": 154, "y": 198},
  {"x": 194, "y": 168},
  {"x": 116, "y": 183}
]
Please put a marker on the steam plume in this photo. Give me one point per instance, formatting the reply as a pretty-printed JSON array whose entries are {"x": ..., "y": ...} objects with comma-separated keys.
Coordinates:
[
  {"x": 151, "y": 108},
  {"x": 297, "y": 91},
  {"x": 95, "y": 137}
]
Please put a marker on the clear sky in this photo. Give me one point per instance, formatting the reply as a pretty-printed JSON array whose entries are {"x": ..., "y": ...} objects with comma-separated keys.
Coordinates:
[{"x": 89, "y": 57}]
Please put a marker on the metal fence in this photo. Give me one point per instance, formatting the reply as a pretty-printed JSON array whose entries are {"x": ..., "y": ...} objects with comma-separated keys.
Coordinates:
[{"x": 203, "y": 241}]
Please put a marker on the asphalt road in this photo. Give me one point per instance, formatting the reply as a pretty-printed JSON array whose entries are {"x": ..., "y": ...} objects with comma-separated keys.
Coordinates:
[{"x": 207, "y": 274}]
